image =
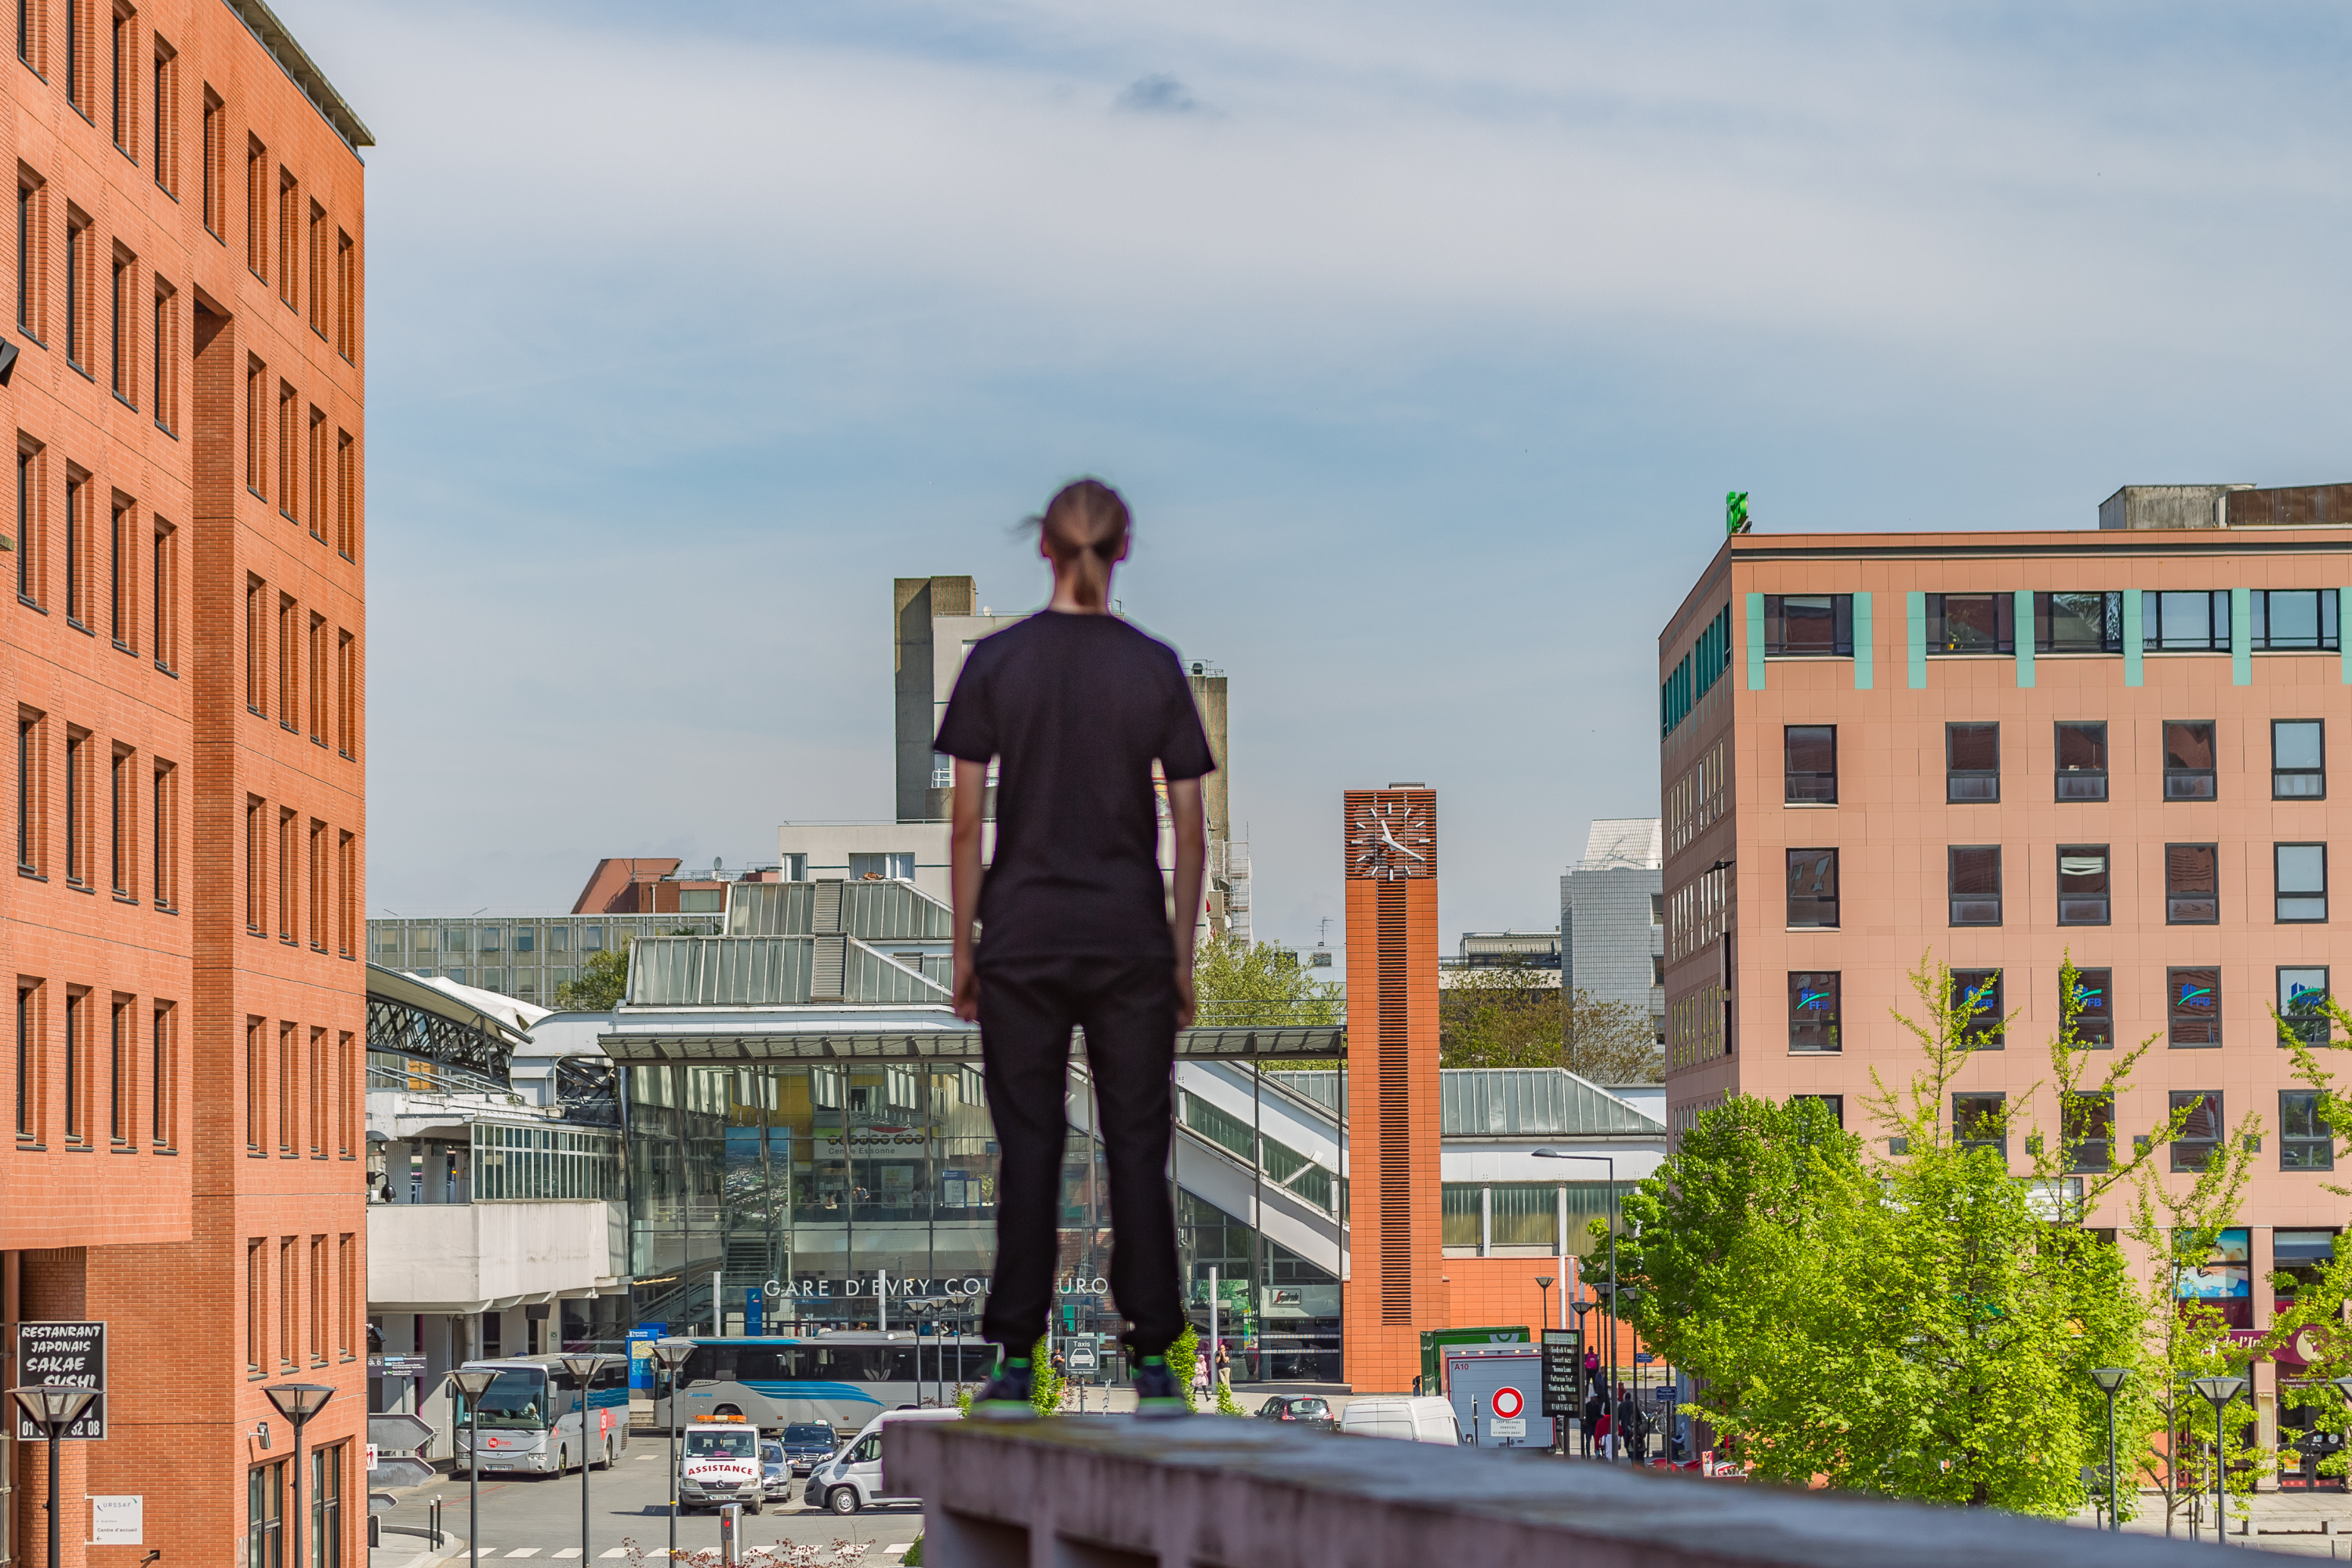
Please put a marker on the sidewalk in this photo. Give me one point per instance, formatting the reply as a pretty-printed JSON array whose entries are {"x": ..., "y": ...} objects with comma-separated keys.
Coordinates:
[{"x": 2297, "y": 1523}]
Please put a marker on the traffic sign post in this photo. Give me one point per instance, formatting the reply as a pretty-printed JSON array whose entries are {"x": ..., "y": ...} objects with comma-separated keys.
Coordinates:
[{"x": 1563, "y": 1376}]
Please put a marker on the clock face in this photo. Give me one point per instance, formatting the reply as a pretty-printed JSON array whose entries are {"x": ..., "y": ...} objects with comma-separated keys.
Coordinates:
[{"x": 1392, "y": 839}]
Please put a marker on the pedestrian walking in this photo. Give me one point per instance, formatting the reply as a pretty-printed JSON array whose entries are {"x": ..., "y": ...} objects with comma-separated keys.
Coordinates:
[
  {"x": 1070, "y": 925},
  {"x": 1605, "y": 1435},
  {"x": 1628, "y": 1422},
  {"x": 1224, "y": 1364},
  {"x": 1594, "y": 1408}
]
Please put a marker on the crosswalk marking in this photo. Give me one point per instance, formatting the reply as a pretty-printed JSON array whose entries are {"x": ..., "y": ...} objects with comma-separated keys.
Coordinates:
[
  {"x": 568, "y": 1551},
  {"x": 524, "y": 1551},
  {"x": 615, "y": 1551}
]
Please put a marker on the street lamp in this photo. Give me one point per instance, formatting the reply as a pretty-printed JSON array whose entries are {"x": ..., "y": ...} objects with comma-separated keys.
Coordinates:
[
  {"x": 2110, "y": 1379},
  {"x": 669, "y": 1355},
  {"x": 53, "y": 1407},
  {"x": 2219, "y": 1391},
  {"x": 583, "y": 1368},
  {"x": 471, "y": 1382},
  {"x": 298, "y": 1402},
  {"x": 1610, "y": 1392}
]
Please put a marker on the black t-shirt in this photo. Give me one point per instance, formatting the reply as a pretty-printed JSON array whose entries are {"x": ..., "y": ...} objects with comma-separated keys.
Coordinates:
[{"x": 1074, "y": 709}]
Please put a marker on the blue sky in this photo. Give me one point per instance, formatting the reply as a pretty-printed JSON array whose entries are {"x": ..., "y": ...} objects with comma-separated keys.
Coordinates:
[{"x": 1423, "y": 339}]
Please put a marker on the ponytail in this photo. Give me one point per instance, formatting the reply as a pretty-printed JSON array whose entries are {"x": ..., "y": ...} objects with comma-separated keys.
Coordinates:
[{"x": 1084, "y": 529}]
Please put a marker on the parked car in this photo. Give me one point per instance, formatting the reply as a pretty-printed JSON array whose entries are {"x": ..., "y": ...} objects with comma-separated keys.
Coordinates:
[
  {"x": 1306, "y": 1409},
  {"x": 1424, "y": 1418},
  {"x": 853, "y": 1479},
  {"x": 808, "y": 1444},
  {"x": 775, "y": 1471}
]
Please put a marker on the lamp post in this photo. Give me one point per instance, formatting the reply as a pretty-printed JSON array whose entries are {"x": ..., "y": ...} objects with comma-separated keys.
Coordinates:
[
  {"x": 2110, "y": 1379},
  {"x": 670, "y": 1355},
  {"x": 583, "y": 1368},
  {"x": 2219, "y": 1391},
  {"x": 471, "y": 1382},
  {"x": 1543, "y": 1283},
  {"x": 298, "y": 1402},
  {"x": 1610, "y": 1391},
  {"x": 53, "y": 1407},
  {"x": 1579, "y": 1307}
]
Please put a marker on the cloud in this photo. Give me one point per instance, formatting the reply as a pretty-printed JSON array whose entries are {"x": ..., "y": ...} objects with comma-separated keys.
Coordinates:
[{"x": 1157, "y": 94}]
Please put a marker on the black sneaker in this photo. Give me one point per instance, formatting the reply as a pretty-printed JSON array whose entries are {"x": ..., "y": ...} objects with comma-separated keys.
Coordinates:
[
  {"x": 1007, "y": 1396},
  {"x": 1158, "y": 1396}
]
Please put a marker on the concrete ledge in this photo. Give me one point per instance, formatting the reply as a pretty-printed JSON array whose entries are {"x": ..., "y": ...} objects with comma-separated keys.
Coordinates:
[{"x": 1113, "y": 1492}]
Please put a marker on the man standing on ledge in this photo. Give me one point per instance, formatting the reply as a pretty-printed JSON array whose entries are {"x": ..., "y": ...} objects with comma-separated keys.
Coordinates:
[{"x": 1075, "y": 927}]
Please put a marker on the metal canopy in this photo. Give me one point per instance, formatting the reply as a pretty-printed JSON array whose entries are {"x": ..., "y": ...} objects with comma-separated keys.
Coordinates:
[
  {"x": 411, "y": 1019},
  {"x": 948, "y": 1044}
]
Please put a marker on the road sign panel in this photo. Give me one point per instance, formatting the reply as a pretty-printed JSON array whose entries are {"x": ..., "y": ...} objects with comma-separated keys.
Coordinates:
[
  {"x": 70, "y": 1353},
  {"x": 1507, "y": 1402}
]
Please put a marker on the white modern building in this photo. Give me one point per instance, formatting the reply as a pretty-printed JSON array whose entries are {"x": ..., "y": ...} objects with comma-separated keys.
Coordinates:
[{"x": 1613, "y": 917}]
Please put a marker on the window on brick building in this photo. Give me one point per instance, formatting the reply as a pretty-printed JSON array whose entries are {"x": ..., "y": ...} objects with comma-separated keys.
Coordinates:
[
  {"x": 257, "y": 208},
  {"x": 317, "y": 1080},
  {"x": 76, "y": 804},
  {"x": 288, "y": 1348},
  {"x": 32, "y": 254},
  {"x": 317, "y": 1315},
  {"x": 289, "y": 665},
  {"x": 286, "y": 1082},
  {"x": 289, "y": 431},
  {"x": 163, "y": 805},
  {"x": 317, "y": 269},
  {"x": 257, "y": 1322},
  {"x": 289, "y": 220},
  {"x": 1809, "y": 757},
  {"x": 344, "y": 1100},
  {"x": 32, "y": 791},
  {"x": 2081, "y": 772},
  {"x": 122, "y": 572},
  {"x": 322, "y": 476},
  {"x": 2307, "y": 1142},
  {"x": 1812, "y": 888},
  {"x": 163, "y": 376},
  {"x": 319, "y": 903},
  {"x": 1814, "y": 1011},
  {"x": 257, "y": 1087},
  {"x": 288, "y": 858},
  {"x": 347, "y": 296},
  {"x": 347, "y": 497},
  {"x": 257, "y": 849},
  {"x": 2201, "y": 1132},
  {"x": 317, "y": 683},
  {"x": 2083, "y": 889},
  {"x": 2089, "y": 1120},
  {"x": 32, "y": 541},
  {"x": 29, "y": 1065},
  {"x": 347, "y": 694},
  {"x": 118, "y": 1103},
  {"x": 122, "y": 325},
  {"x": 77, "y": 549},
  {"x": 1979, "y": 1016},
  {"x": 2094, "y": 1011},
  {"x": 347, "y": 876},
  {"x": 1981, "y": 1122},
  {"x": 2301, "y": 873},
  {"x": 123, "y": 823},
  {"x": 124, "y": 69},
  {"x": 164, "y": 117},
  {"x": 2303, "y": 1005},
  {"x": 2192, "y": 887},
  {"x": 76, "y": 54},
  {"x": 76, "y": 1043},
  {"x": 1971, "y": 622},
  {"x": 162, "y": 1078},
  {"x": 215, "y": 160},
  {"x": 163, "y": 596},
  {"x": 257, "y": 426},
  {"x": 1974, "y": 872},
  {"x": 1971, "y": 763},
  {"x": 256, "y": 646},
  {"x": 2298, "y": 760},
  {"x": 2193, "y": 1008},
  {"x": 77, "y": 324},
  {"x": 2188, "y": 759}
]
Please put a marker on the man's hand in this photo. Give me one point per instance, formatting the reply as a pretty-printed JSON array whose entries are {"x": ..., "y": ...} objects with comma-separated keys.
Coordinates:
[
  {"x": 967, "y": 989},
  {"x": 1185, "y": 1006}
]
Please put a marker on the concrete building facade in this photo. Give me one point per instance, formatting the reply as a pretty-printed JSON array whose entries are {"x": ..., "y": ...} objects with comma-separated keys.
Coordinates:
[
  {"x": 1998, "y": 749},
  {"x": 185, "y": 656}
]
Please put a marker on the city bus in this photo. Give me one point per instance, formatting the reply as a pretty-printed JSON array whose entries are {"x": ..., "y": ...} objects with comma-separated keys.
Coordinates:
[
  {"x": 843, "y": 1380},
  {"x": 530, "y": 1419}
]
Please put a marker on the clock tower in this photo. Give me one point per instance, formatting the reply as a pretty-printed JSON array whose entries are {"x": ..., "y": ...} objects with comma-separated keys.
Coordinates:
[{"x": 1394, "y": 1286}]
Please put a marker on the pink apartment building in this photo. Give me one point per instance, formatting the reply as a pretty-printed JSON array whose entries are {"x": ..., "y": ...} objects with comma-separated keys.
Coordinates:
[{"x": 1999, "y": 749}]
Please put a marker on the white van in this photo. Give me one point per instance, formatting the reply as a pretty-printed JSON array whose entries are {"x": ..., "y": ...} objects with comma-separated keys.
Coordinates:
[
  {"x": 1422, "y": 1419},
  {"x": 720, "y": 1464},
  {"x": 852, "y": 1478}
]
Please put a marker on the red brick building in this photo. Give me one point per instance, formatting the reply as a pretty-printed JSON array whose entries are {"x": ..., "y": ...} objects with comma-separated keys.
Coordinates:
[{"x": 185, "y": 652}]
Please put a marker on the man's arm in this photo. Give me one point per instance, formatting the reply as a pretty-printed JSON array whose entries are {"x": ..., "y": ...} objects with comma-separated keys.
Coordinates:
[
  {"x": 1191, "y": 851},
  {"x": 964, "y": 874}
]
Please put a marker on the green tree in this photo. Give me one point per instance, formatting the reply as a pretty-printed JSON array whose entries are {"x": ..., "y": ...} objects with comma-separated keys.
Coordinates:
[
  {"x": 1918, "y": 1322},
  {"x": 1240, "y": 985},
  {"x": 1517, "y": 1016},
  {"x": 604, "y": 979},
  {"x": 2314, "y": 1322}
]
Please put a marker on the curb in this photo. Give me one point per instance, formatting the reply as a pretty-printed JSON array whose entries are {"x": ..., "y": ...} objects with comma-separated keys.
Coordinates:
[{"x": 452, "y": 1547}]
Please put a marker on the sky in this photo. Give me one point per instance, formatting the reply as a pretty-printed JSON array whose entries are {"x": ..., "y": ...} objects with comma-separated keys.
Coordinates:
[{"x": 1423, "y": 341}]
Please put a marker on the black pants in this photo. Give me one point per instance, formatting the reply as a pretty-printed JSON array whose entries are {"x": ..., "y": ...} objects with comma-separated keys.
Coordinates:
[{"x": 1128, "y": 1008}]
